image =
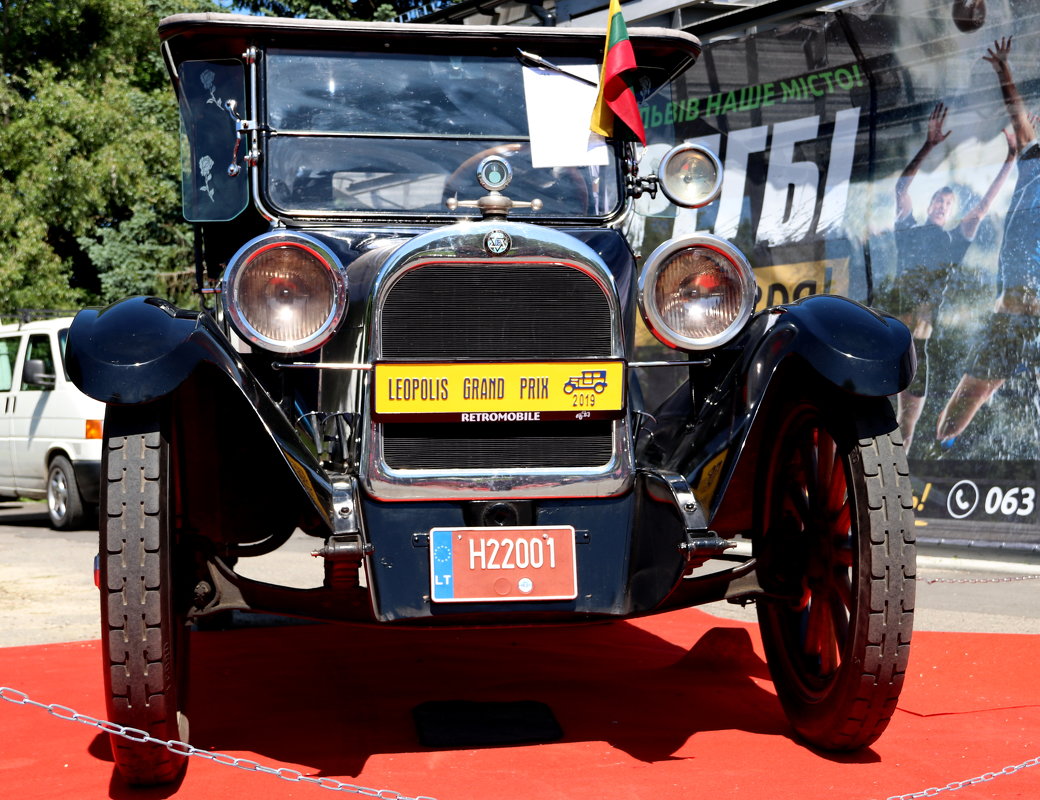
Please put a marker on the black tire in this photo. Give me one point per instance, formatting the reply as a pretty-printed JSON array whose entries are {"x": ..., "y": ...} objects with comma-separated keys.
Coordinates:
[
  {"x": 64, "y": 503},
  {"x": 837, "y": 540},
  {"x": 144, "y": 633}
]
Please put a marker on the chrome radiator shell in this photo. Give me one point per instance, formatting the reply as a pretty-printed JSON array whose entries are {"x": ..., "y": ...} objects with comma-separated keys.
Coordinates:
[{"x": 450, "y": 266}]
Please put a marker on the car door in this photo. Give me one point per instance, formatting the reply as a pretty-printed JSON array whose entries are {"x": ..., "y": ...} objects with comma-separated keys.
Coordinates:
[{"x": 34, "y": 425}]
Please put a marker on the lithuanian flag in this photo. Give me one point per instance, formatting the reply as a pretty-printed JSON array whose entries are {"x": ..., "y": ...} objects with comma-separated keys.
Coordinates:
[{"x": 615, "y": 95}]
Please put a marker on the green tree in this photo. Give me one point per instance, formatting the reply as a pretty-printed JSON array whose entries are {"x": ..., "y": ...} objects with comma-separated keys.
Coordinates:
[
  {"x": 89, "y": 191},
  {"x": 89, "y": 170},
  {"x": 331, "y": 9}
]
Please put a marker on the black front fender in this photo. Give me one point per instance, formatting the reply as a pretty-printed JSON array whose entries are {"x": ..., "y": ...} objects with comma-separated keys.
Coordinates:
[
  {"x": 824, "y": 344},
  {"x": 142, "y": 349},
  {"x": 854, "y": 347}
]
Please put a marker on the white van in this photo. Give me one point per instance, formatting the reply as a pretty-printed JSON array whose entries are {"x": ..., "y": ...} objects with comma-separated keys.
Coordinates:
[{"x": 50, "y": 432}]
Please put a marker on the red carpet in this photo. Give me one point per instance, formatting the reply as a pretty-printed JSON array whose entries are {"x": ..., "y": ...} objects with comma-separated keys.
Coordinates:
[{"x": 675, "y": 706}]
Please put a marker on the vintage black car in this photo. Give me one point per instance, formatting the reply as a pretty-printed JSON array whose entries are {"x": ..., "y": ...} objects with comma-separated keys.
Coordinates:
[{"x": 422, "y": 356}]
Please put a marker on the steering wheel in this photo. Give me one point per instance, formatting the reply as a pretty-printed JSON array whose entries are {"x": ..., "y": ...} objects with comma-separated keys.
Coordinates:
[{"x": 556, "y": 187}]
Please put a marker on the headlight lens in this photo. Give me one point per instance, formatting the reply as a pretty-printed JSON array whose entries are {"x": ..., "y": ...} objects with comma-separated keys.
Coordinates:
[
  {"x": 285, "y": 292},
  {"x": 690, "y": 175},
  {"x": 696, "y": 292}
]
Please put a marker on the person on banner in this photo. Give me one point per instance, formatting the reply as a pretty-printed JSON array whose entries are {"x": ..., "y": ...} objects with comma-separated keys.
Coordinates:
[
  {"x": 1008, "y": 339},
  {"x": 927, "y": 253}
]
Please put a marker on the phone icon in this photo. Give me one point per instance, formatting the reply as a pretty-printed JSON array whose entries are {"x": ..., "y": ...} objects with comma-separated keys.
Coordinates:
[{"x": 962, "y": 499}]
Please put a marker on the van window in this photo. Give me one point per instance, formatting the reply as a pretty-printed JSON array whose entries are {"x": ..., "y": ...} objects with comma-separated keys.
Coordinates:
[
  {"x": 40, "y": 348},
  {"x": 8, "y": 353}
]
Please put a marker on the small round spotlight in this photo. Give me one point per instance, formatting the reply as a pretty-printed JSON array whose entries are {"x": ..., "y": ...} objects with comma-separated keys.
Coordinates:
[{"x": 690, "y": 175}]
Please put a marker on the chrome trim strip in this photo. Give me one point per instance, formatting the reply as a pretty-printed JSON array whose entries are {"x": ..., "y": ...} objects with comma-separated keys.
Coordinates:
[
  {"x": 700, "y": 362},
  {"x": 463, "y": 137},
  {"x": 276, "y": 365},
  {"x": 703, "y": 362},
  {"x": 251, "y": 57},
  {"x": 384, "y": 483}
]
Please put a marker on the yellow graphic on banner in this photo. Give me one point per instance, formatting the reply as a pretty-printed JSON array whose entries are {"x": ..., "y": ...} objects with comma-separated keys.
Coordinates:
[
  {"x": 786, "y": 283},
  {"x": 499, "y": 388}
]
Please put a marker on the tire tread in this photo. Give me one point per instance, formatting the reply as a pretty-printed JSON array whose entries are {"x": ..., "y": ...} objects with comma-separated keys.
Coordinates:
[{"x": 139, "y": 681}]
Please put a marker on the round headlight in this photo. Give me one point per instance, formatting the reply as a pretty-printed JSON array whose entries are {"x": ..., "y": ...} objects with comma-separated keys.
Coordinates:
[
  {"x": 690, "y": 175},
  {"x": 285, "y": 292},
  {"x": 696, "y": 292}
]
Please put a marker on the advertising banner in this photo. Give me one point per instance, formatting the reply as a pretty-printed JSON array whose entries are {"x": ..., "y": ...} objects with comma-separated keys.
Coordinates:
[{"x": 888, "y": 152}]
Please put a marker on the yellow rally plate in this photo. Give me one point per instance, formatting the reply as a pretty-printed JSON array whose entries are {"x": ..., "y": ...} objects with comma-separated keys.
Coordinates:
[{"x": 499, "y": 392}]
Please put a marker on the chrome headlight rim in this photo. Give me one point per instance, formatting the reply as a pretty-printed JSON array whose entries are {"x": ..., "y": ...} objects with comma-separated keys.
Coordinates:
[
  {"x": 661, "y": 258},
  {"x": 233, "y": 308},
  {"x": 678, "y": 152}
]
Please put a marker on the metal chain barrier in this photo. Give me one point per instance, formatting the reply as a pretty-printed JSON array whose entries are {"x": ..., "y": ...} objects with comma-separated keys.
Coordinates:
[
  {"x": 295, "y": 776},
  {"x": 185, "y": 749},
  {"x": 952, "y": 787},
  {"x": 1004, "y": 579}
]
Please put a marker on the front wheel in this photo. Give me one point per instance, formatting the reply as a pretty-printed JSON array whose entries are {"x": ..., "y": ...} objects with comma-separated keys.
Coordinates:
[
  {"x": 144, "y": 633},
  {"x": 837, "y": 560}
]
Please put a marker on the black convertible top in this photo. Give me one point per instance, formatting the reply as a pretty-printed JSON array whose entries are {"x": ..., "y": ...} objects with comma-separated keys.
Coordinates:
[{"x": 661, "y": 54}]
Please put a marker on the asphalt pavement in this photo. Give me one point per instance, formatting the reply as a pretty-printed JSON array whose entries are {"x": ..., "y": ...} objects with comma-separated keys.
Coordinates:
[{"x": 47, "y": 591}]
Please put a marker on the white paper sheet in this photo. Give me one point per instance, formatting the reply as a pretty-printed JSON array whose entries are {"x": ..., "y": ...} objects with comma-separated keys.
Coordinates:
[{"x": 559, "y": 114}]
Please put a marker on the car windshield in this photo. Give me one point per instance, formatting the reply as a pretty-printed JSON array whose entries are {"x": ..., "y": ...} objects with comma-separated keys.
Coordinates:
[{"x": 402, "y": 133}]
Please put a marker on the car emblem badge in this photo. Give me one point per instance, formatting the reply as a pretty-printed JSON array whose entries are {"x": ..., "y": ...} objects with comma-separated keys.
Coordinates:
[{"x": 497, "y": 243}]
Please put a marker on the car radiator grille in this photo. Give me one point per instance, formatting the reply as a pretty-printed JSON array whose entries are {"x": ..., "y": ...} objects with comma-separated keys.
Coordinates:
[{"x": 507, "y": 311}]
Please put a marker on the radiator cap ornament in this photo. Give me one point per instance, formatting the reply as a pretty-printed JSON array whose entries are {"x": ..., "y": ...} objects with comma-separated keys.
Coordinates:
[
  {"x": 494, "y": 173},
  {"x": 497, "y": 243}
]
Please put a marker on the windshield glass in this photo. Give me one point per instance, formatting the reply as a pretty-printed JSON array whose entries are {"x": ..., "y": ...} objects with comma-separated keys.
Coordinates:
[{"x": 375, "y": 132}]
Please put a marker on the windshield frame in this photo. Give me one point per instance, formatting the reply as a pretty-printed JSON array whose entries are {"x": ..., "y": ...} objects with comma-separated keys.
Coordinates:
[
  {"x": 661, "y": 54},
  {"x": 611, "y": 175}
]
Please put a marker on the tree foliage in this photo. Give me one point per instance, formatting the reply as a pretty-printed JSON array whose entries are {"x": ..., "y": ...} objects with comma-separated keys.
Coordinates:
[
  {"x": 331, "y": 9},
  {"x": 89, "y": 193},
  {"x": 89, "y": 169}
]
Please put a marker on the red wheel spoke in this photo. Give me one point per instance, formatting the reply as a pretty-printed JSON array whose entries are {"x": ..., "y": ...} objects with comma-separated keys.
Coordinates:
[
  {"x": 798, "y": 503},
  {"x": 815, "y": 627},
  {"x": 825, "y": 454},
  {"x": 836, "y": 490},
  {"x": 807, "y": 457},
  {"x": 829, "y": 659},
  {"x": 840, "y": 608},
  {"x": 843, "y": 589},
  {"x": 842, "y": 550},
  {"x": 842, "y": 520}
]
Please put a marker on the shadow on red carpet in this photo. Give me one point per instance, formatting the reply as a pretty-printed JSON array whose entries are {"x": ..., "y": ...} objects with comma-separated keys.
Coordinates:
[{"x": 673, "y": 706}]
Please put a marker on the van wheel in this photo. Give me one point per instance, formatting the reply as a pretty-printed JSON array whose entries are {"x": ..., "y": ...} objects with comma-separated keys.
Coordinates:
[
  {"x": 64, "y": 504},
  {"x": 144, "y": 628}
]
